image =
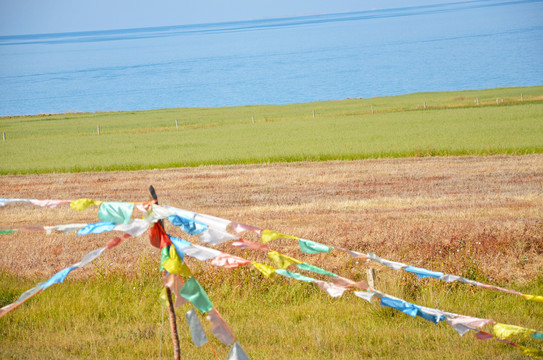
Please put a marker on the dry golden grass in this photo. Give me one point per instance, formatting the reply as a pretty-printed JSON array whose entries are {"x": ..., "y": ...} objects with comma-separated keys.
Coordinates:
[{"x": 453, "y": 214}]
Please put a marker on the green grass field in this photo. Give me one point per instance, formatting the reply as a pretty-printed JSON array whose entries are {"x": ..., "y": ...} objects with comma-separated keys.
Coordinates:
[
  {"x": 425, "y": 124},
  {"x": 117, "y": 316}
]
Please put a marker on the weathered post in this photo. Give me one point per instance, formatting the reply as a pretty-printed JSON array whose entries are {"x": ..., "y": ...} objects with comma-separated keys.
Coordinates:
[
  {"x": 371, "y": 277},
  {"x": 4, "y": 135},
  {"x": 313, "y": 114},
  {"x": 176, "y": 124},
  {"x": 372, "y": 109},
  {"x": 253, "y": 119},
  {"x": 171, "y": 311},
  {"x": 98, "y": 128}
]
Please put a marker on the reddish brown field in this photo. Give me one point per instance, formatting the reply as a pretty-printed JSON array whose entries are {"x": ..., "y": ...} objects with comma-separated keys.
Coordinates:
[{"x": 460, "y": 215}]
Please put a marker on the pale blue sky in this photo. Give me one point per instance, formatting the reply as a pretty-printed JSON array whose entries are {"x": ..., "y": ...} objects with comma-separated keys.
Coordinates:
[{"x": 19, "y": 17}]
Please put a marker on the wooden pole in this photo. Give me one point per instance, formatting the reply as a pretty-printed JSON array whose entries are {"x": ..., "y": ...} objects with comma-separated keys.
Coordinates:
[
  {"x": 171, "y": 310},
  {"x": 477, "y": 101},
  {"x": 372, "y": 109},
  {"x": 521, "y": 98},
  {"x": 253, "y": 118},
  {"x": 4, "y": 135},
  {"x": 98, "y": 130},
  {"x": 313, "y": 114},
  {"x": 176, "y": 124}
]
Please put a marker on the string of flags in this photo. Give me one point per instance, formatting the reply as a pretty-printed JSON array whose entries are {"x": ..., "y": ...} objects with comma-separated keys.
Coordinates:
[{"x": 117, "y": 216}]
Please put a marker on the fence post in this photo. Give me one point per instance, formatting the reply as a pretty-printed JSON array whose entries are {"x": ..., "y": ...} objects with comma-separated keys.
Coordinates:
[
  {"x": 4, "y": 135},
  {"x": 171, "y": 310},
  {"x": 371, "y": 277}
]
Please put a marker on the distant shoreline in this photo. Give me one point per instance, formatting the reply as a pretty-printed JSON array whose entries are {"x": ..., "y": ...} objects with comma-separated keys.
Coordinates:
[{"x": 460, "y": 92}]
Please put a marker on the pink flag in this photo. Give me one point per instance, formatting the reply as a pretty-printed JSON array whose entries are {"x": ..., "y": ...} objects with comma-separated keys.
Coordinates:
[
  {"x": 229, "y": 261},
  {"x": 219, "y": 328},
  {"x": 246, "y": 244}
]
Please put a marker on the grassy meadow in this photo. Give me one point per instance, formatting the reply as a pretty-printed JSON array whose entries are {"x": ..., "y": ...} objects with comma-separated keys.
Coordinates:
[
  {"x": 424, "y": 124},
  {"x": 115, "y": 316},
  {"x": 475, "y": 216}
]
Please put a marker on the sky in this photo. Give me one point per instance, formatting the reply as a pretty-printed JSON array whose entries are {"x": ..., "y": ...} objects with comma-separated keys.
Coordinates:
[{"x": 23, "y": 17}]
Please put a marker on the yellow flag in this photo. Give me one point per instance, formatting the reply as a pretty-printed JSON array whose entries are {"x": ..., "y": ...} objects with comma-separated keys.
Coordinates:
[
  {"x": 536, "y": 353},
  {"x": 536, "y": 298},
  {"x": 267, "y": 270},
  {"x": 268, "y": 235},
  {"x": 174, "y": 264},
  {"x": 82, "y": 204},
  {"x": 163, "y": 297},
  {"x": 504, "y": 331},
  {"x": 282, "y": 261}
]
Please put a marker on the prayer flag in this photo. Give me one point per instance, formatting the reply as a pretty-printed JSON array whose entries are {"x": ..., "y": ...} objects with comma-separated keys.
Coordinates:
[
  {"x": 536, "y": 298},
  {"x": 267, "y": 270},
  {"x": 391, "y": 264},
  {"x": 82, "y": 204},
  {"x": 282, "y": 261},
  {"x": 268, "y": 235},
  {"x": 193, "y": 292},
  {"x": 197, "y": 333},
  {"x": 229, "y": 261},
  {"x": 64, "y": 228},
  {"x": 49, "y": 203},
  {"x": 536, "y": 353},
  {"x": 174, "y": 263},
  {"x": 312, "y": 247},
  {"x": 8, "y": 231},
  {"x": 330, "y": 288},
  {"x": 366, "y": 295},
  {"x": 179, "y": 244},
  {"x": 180, "y": 212},
  {"x": 461, "y": 329},
  {"x": 504, "y": 331},
  {"x": 135, "y": 227},
  {"x": 201, "y": 253},
  {"x": 214, "y": 222},
  {"x": 163, "y": 298},
  {"x": 246, "y": 244},
  {"x": 239, "y": 228},
  {"x": 115, "y": 211},
  {"x": 214, "y": 237},
  {"x": 340, "y": 281},
  {"x": 294, "y": 275},
  {"x": 315, "y": 269},
  {"x": 189, "y": 226},
  {"x": 237, "y": 353},
  {"x": 96, "y": 228},
  {"x": 158, "y": 237},
  {"x": 422, "y": 273},
  {"x": 219, "y": 328}
]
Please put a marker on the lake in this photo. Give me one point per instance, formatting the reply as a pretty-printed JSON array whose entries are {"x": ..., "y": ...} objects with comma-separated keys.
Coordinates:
[{"x": 454, "y": 46}]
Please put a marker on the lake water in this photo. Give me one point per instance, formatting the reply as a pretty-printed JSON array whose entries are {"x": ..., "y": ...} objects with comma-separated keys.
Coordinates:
[{"x": 455, "y": 46}]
